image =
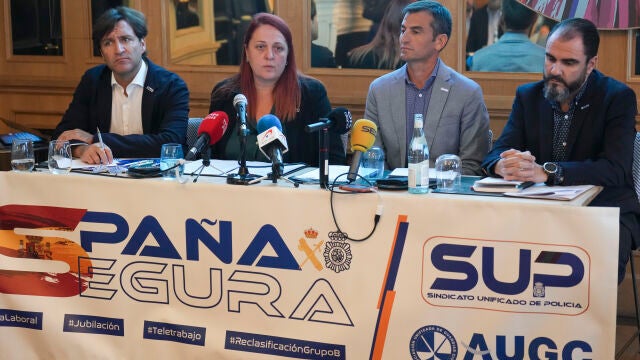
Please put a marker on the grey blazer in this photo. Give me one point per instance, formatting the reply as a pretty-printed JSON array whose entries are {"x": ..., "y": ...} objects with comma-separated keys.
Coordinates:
[{"x": 457, "y": 121}]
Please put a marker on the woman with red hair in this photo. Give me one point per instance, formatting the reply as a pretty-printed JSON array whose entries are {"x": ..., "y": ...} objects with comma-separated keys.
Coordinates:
[{"x": 270, "y": 81}]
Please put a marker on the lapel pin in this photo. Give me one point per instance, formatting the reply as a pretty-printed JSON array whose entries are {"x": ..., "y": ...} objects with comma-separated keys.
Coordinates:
[
  {"x": 585, "y": 106},
  {"x": 149, "y": 88},
  {"x": 445, "y": 90}
]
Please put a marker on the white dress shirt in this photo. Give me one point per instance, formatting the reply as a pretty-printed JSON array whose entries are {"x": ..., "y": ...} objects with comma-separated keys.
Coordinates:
[{"x": 126, "y": 107}]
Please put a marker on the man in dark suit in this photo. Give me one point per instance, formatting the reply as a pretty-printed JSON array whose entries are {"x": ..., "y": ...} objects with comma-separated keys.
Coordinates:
[
  {"x": 321, "y": 56},
  {"x": 575, "y": 127},
  {"x": 484, "y": 26},
  {"x": 137, "y": 105}
]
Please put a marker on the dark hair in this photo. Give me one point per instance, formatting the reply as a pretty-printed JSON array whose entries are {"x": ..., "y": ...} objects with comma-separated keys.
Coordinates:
[
  {"x": 108, "y": 20},
  {"x": 571, "y": 28},
  {"x": 442, "y": 22},
  {"x": 287, "y": 90},
  {"x": 516, "y": 16},
  {"x": 314, "y": 11},
  {"x": 386, "y": 43}
]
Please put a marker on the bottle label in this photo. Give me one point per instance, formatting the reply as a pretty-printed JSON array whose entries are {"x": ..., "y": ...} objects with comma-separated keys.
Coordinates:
[
  {"x": 413, "y": 175},
  {"x": 424, "y": 173},
  {"x": 418, "y": 174}
]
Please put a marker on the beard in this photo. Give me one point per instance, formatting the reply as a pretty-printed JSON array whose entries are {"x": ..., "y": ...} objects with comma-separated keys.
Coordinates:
[{"x": 562, "y": 94}]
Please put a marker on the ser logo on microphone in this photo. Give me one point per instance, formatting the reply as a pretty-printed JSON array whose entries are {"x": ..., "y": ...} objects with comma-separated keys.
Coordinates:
[{"x": 368, "y": 129}]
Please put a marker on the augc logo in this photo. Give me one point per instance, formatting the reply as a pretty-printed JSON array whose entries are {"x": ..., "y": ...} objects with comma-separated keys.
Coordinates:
[{"x": 433, "y": 342}]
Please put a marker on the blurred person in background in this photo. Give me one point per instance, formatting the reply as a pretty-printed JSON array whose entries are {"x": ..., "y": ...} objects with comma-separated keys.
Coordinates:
[
  {"x": 484, "y": 26},
  {"x": 513, "y": 52},
  {"x": 383, "y": 52},
  {"x": 321, "y": 56}
]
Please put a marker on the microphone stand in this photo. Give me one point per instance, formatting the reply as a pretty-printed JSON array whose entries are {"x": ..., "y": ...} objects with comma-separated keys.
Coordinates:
[
  {"x": 206, "y": 162},
  {"x": 274, "y": 179},
  {"x": 243, "y": 177},
  {"x": 323, "y": 154},
  {"x": 323, "y": 150}
]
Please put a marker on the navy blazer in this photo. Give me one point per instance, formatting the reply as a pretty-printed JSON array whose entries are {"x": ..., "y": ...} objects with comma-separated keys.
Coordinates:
[
  {"x": 599, "y": 144},
  {"x": 165, "y": 111}
]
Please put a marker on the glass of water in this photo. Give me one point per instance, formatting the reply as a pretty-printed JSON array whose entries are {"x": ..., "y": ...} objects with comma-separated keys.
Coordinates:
[
  {"x": 448, "y": 173},
  {"x": 22, "y": 158},
  {"x": 59, "y": 157},
  {"x": 374, "y": 159},
  {"x": 170, "y": 155}
]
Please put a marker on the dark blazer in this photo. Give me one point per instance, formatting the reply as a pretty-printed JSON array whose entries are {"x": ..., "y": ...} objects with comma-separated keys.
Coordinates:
[
  {"x": 478, "y": 29},
  {"x": 600, "y": 141},
  {"x": 303, "y": 146},
  {"x": 322, "y": 57},
  {"x": 165, "y": 111}
]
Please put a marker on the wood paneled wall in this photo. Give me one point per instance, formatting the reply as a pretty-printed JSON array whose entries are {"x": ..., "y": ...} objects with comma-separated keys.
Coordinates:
[{"x": 35, "y": 91}]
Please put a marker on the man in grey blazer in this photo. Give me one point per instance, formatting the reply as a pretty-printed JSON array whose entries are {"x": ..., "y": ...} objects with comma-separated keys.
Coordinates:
[{"x": 456, "y": 118}]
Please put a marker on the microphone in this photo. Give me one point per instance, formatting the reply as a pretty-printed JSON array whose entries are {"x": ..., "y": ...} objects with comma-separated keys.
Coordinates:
[
  {"x": 240, "y": 104},
  {"x": 210, "y": 132},
  {"x": 339, "y": 121},
  {"x": 272, "y": 142},
  {"x": 363, "y": 136}
]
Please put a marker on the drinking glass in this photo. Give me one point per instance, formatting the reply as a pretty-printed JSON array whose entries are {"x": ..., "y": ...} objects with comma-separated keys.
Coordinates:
[
  {"x": 170, "y": 154},
  {"x": 448, "y": 173},
  {"x": 374, "y": 159},
  {"x": 59, "y": 157},
  {"x": 22, "y": 158}
]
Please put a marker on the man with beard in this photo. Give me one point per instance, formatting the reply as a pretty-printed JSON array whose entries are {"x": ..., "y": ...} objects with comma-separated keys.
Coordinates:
[{"x": 575, "y": 127}]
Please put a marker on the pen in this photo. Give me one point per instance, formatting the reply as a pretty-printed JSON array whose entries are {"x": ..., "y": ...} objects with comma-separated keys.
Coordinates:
[
  {"x": 100, "y": 140},
  {"x": 140, "y": 163},
  {"x": 525, "y": 185}
]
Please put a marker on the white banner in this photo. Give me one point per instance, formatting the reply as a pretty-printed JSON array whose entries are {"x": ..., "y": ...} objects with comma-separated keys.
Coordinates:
[{"x": 100, "y": 267}]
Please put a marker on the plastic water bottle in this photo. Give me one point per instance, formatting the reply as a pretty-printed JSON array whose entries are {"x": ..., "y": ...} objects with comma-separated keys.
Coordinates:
[{"x": 418, "y": 155}]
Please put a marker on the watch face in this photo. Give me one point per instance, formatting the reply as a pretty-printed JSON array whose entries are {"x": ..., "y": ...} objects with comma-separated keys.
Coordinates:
[{"x": 550, "y": 167}]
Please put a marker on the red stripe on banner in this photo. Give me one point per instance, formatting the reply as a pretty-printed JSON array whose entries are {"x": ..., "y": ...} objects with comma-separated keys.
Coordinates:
[
  {"x": 385, "y": 315},
  {"x": 401, "y": 219}
]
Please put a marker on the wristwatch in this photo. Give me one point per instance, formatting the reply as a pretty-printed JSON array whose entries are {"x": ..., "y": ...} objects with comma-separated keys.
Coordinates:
[{"x": 553, "y": 173}]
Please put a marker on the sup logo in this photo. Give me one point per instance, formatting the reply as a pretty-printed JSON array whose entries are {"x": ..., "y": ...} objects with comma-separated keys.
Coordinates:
[{"x": 433, "y": 342}]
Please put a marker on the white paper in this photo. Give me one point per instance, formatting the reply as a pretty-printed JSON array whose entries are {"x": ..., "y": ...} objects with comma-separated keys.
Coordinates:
[{"x": 335, "y": 171}]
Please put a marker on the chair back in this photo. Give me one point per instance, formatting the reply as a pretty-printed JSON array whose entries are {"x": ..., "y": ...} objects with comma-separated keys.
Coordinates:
[
  {"x": 192, "y": 130},
  {"x": 636, "y": 164}
]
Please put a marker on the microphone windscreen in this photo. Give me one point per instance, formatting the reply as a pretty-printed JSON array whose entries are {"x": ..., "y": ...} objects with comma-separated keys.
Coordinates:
[
  {"x": 363, "y": 135},
  {"x": 215, "y": 125},
  {"x": 341, "y": 120},
  {"x": 268, "y": 121},
  {"x": 239, "y": 99}
]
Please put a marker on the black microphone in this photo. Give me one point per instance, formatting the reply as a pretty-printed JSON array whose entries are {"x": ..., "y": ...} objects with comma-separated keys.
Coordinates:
[
  {"x": 240, "y": 104},
  {"x": 338, "y": 121},
  {"x": 210, "y": 132}
]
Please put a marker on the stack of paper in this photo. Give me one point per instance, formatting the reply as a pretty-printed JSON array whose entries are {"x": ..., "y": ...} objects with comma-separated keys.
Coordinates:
[
  {"x": 552, "y": 192},
  {"x": 495, "y": 185},
  {"x": 335, "y": 172}
]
